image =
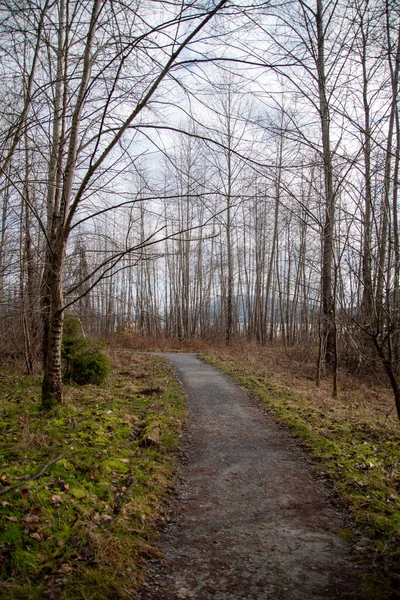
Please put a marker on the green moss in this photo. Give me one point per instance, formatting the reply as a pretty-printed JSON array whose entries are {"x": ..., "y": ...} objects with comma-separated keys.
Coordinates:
[
  {"x": 106, "y": 488},
  {"x": 25, "y": 562},
  {"x": 346, "y": 533},
  {"x": 115, "y": 465},
  {"x": 78, "y": 492},
  {"x": 12, "y": 534}
]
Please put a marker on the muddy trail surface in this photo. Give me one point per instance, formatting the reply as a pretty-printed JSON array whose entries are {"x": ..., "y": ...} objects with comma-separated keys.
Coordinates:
[{"x": 249, "y": 520}]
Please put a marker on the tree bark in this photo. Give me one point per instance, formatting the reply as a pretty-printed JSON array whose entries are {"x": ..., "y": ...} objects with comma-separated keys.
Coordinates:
[
  {"x": 327, "y": 235},
  {"x": 52, "y": 380}
]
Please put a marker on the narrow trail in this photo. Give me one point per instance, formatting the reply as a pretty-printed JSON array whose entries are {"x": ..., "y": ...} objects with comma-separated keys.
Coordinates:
[{"x": 250, "y": 521}]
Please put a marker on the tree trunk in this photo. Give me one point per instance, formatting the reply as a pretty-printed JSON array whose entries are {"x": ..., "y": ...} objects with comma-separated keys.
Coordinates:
[
  {"x": 52, "y": 380},
  {"x": 327, "y": 243}
]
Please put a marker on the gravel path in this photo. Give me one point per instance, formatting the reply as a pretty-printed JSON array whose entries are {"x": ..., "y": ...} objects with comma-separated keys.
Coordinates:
[{"x": 250, "y": 521}]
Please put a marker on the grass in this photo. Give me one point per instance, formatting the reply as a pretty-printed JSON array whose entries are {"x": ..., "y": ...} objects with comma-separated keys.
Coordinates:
[
  {"x": 84, "y": 529},
  {"x": 355, "y": 443}
]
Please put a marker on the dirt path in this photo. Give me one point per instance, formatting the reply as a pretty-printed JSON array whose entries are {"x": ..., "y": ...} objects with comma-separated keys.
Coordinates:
[{"x": 252, "y": 521}]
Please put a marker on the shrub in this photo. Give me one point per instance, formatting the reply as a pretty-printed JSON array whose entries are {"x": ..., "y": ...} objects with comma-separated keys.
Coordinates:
[
  {"x": 88, "y": 364},
  {"x": 84, "y": 361},
  {"x": 72, "y": 340}
]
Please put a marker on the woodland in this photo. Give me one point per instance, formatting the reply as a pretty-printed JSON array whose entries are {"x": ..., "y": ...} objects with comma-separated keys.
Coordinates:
[
  {"x": 191, "y": 175},
  {"x": 195, "y": 170}
]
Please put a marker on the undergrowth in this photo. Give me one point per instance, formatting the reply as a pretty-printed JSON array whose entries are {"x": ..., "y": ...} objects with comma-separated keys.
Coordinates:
[
  {"x": 356, "y": 450},
  {"x": 84, "y": 528}
]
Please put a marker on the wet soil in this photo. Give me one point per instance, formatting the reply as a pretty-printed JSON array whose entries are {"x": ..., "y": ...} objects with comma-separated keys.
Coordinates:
[{"x": 250, "y": 519}]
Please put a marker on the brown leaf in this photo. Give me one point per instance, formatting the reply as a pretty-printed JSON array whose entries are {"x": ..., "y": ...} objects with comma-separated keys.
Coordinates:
[
  {"x": 31, "y": 519},
  {"x": 36, "y": 536},
  {"x": 56, "y": 499},
  {"x": 60, "y": 543},
  {"x": 63, "y": 486},
  {"x": 64, "y": 569},
  {"x": 124, "y": 460},
  {"x": 35, "y": 511},
  {"x": 106, "y": 518},
  {"x": 12, "y": 519},
  {"x": 25, "y": 492},
  {"x": 5, "y": 504},
  {"x": 360, "y": 484}
]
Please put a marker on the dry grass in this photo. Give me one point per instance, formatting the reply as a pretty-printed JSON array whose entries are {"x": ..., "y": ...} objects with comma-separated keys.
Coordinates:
[
  {"x": 363, "y": 396},
  {"x": 135, "y": 341}
]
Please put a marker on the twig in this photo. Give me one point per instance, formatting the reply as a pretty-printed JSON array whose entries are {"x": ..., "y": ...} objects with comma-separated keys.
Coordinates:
[{"x": 36, "y": 475}]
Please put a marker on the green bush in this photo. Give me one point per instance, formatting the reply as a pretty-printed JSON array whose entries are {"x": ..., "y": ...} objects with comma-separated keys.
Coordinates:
[
  {"x": 72, "y": 341},
  {"x": 88, "y": 365},
  {"x": 84, "y": 361}
]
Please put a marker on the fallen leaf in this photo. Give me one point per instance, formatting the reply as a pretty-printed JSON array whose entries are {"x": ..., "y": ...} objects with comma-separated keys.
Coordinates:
[
  {"x": 12, "y": 519},
  {"x": 106, "y": 518},
  {"x": 64, "y": 569},
  {"x": 31, "y": 519},
  {"x": 60, "y": 543},
  {"x": 5, "y": 504},
  {"x": 35, "y": 511},
  {"x": 124, "y": 460},
  {"x": 360, "y": 484},
  {"x": 56, "y": 499},
  {"x": 25, "y": 492},
  {"x": 36, "y": 536}
]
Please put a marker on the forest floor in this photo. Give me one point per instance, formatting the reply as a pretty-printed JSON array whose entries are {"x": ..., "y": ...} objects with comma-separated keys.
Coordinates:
[
  {"x": 250, "y": 518},
  {"x": 83, "y": 529}
]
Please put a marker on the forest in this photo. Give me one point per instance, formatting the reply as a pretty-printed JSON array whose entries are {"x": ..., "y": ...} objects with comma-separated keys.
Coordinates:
[
  {"x": 213, "y": 175},
  {"x": 202, "y": 171},
  {"x": 196, "y": 171}
]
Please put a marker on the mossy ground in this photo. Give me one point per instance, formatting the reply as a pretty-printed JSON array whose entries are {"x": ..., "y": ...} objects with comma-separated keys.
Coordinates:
[
  {"x": 355, "y": 447},
  {"x": 84, "y": 529}
]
